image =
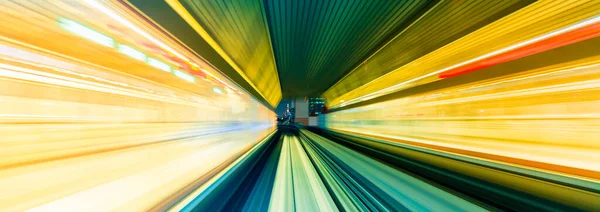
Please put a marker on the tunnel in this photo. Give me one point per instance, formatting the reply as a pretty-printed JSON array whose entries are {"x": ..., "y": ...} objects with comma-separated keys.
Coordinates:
[{"x": 299, "y": 105}]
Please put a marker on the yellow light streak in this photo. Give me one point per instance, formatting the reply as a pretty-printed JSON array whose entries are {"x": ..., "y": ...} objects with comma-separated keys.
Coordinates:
[
  {"x": 93, "y": 123},
  {"x": 125, "y": 22},
  {"x": 176, "y": 5},
  {"x": 547, "y": 115},
  {"x": 510, "y": 32}
]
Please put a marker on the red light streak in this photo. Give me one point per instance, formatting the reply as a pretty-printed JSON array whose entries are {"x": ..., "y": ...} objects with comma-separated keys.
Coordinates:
[{"x": 574, "y": 36}]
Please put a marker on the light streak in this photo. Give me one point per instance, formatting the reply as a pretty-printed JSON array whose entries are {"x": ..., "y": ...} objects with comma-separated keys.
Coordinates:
[
  {"x": 390, "y": 89},
  {"x": 132, "y": 26},
  {"x": 184, "y": 76}
]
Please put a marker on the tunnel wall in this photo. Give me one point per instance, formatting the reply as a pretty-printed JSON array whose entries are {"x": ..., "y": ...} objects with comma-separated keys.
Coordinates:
[
  {"x": 544, "y": 117},
  {"x": 79, "y": 114}
]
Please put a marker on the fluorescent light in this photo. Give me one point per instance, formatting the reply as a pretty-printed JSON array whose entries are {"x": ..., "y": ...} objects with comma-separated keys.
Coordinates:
[
  {"x": 129, "y": 51},
  {"x": 86, "y": 32},
  {"x": 216, "y": 90},
  {"x": 184, "y": 76},
  {"x": 160, "y": 65}
]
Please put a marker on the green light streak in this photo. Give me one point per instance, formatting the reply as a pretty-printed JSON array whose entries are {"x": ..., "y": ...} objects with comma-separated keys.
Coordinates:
[{"x": 86, "y": 32}]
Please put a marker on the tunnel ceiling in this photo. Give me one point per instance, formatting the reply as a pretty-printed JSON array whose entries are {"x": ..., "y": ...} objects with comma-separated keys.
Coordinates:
[
  {"x": 316, "y": 42},
  {"x": 320, "y": 47}
]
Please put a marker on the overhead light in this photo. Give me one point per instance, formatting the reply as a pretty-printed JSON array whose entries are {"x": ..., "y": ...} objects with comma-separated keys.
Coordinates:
[
  {"x": 129, "y": 51},
  {"x": 86, "y": 32},
  {"x": 160, "y": 65},
  {"x": 184, "y": 76},
  {"x": 216, "y": 90}
]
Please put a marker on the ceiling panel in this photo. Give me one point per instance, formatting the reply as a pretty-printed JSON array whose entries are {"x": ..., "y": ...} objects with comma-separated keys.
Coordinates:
[{"x": 316, "y": 42}]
